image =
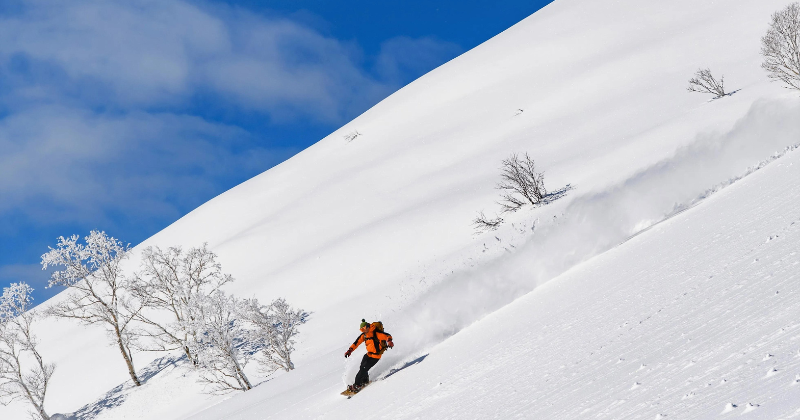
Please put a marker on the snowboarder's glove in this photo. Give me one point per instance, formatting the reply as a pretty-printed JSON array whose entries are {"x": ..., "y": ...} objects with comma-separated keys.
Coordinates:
[
  {"x": 348, "y": 353},
  {"x": 390, "y": 344}
]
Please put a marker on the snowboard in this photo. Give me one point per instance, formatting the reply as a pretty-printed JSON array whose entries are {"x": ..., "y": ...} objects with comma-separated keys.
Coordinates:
[{"x": 349, "y": 394}]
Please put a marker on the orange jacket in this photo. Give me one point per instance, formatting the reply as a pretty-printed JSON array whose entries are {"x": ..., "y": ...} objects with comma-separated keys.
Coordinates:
[{"x": 371, "y": 339}]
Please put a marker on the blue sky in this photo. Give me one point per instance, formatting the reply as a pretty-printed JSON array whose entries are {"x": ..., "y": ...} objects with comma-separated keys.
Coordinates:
[{"x": 125, "y": 115}]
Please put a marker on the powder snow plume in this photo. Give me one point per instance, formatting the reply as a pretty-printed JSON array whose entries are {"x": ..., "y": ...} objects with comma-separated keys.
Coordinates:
[{"x": 594, "y": 223}]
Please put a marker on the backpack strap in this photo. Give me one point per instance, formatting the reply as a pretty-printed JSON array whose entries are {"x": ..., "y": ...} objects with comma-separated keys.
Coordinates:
[{"x": 377, "y": 343}]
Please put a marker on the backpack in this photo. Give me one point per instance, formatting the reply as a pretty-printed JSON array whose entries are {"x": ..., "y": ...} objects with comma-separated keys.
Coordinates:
[{"x": 380, "y": 345}]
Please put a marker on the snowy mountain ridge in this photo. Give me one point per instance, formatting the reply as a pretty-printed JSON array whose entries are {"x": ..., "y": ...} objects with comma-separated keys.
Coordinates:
[{"x": 548, "y": 317}]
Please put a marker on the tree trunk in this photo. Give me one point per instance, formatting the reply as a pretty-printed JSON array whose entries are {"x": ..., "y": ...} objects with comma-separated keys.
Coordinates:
[
  {"x": 127, "y": 358},
  {"x": 21, "y": 382},
  {"x": 189, "y": 357},
  {"x": 289, "y": 364},
  {"x": 241, "y": 375},
  {"x": 42, "y": 413},
  {"x": 286, "y": 355}
]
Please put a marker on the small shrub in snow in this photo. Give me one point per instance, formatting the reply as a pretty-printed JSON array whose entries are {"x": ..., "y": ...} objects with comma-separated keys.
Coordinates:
[
  {"x": 781, "y": 47},
  {"x": 520, "y": 183},
  {"x": 98, "y": 289},
  {"x": 23, "y": 373},
  {"x": 351, "y": 136},
  {"x": 481, "y": 223},
  {"x": 704, "y": 82},
  {"x": 275, "y": 327},
  {"x": 170, "y": 283}
]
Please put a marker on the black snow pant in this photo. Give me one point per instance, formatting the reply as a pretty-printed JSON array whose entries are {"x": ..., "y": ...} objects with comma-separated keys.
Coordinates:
[{"x": 363, "y": 374}]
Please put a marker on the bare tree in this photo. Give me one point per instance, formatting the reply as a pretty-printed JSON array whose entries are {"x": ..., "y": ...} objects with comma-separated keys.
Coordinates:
[
  {"x": 781, "y": 47},
  {"x": 520, "y": 183},
  {"x": 704, "y": 82},
  {"x": 351, "y": 136},
  {"x": 483, "y": 223},
  {"x": 97, "y": 286},
  {"x": 23, "y": 373},
  {"x": 223, "y": 344},
  {"x": 276, "y": 326},
  {"x": 170, "y": 282}
]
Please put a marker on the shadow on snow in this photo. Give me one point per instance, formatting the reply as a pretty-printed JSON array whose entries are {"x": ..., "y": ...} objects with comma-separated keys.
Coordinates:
[
  {"x": 116, "y": 396},
  {"x": 406, "y": 365}
]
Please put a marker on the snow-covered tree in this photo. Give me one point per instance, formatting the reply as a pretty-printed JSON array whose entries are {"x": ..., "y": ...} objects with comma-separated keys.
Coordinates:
[
  {"x": 171, "y": 282},
  {"x": 222, "y": 341},
  {"x": 520, "y": 183},
  {"x": 220, "y": 334},
  {"x": 97, "y": 288},
  {"x": 275, "y": 327},
  {"x": 781, "y": 47},
  {"x": 23, "y": 373}
]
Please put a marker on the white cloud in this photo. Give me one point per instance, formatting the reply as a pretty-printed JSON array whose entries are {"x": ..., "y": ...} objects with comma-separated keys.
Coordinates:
[
  {"x": 64, "y": 165},
  {"x": 141, "y": 50},
  {"x": 144, "y": 53}
]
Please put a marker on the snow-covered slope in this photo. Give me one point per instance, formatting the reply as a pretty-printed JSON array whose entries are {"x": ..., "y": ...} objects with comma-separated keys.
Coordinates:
[
  {"x": 699, "y": 312},
  {"x": 379, "y": 228}
]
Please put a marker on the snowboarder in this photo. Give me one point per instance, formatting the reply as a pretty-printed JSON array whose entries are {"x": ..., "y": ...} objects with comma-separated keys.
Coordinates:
[{"x": 376, "y": 342}]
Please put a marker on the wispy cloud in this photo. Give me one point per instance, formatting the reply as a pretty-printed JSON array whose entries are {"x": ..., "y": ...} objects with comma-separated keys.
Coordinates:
[
  {"x": 146, "y": 54},
  {"x": 92, "y": 164}
]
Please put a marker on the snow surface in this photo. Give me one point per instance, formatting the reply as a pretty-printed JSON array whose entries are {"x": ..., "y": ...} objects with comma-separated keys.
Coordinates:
[
  {"x": 548, "y": 317},
  {"x": 680, "y": 321}
]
